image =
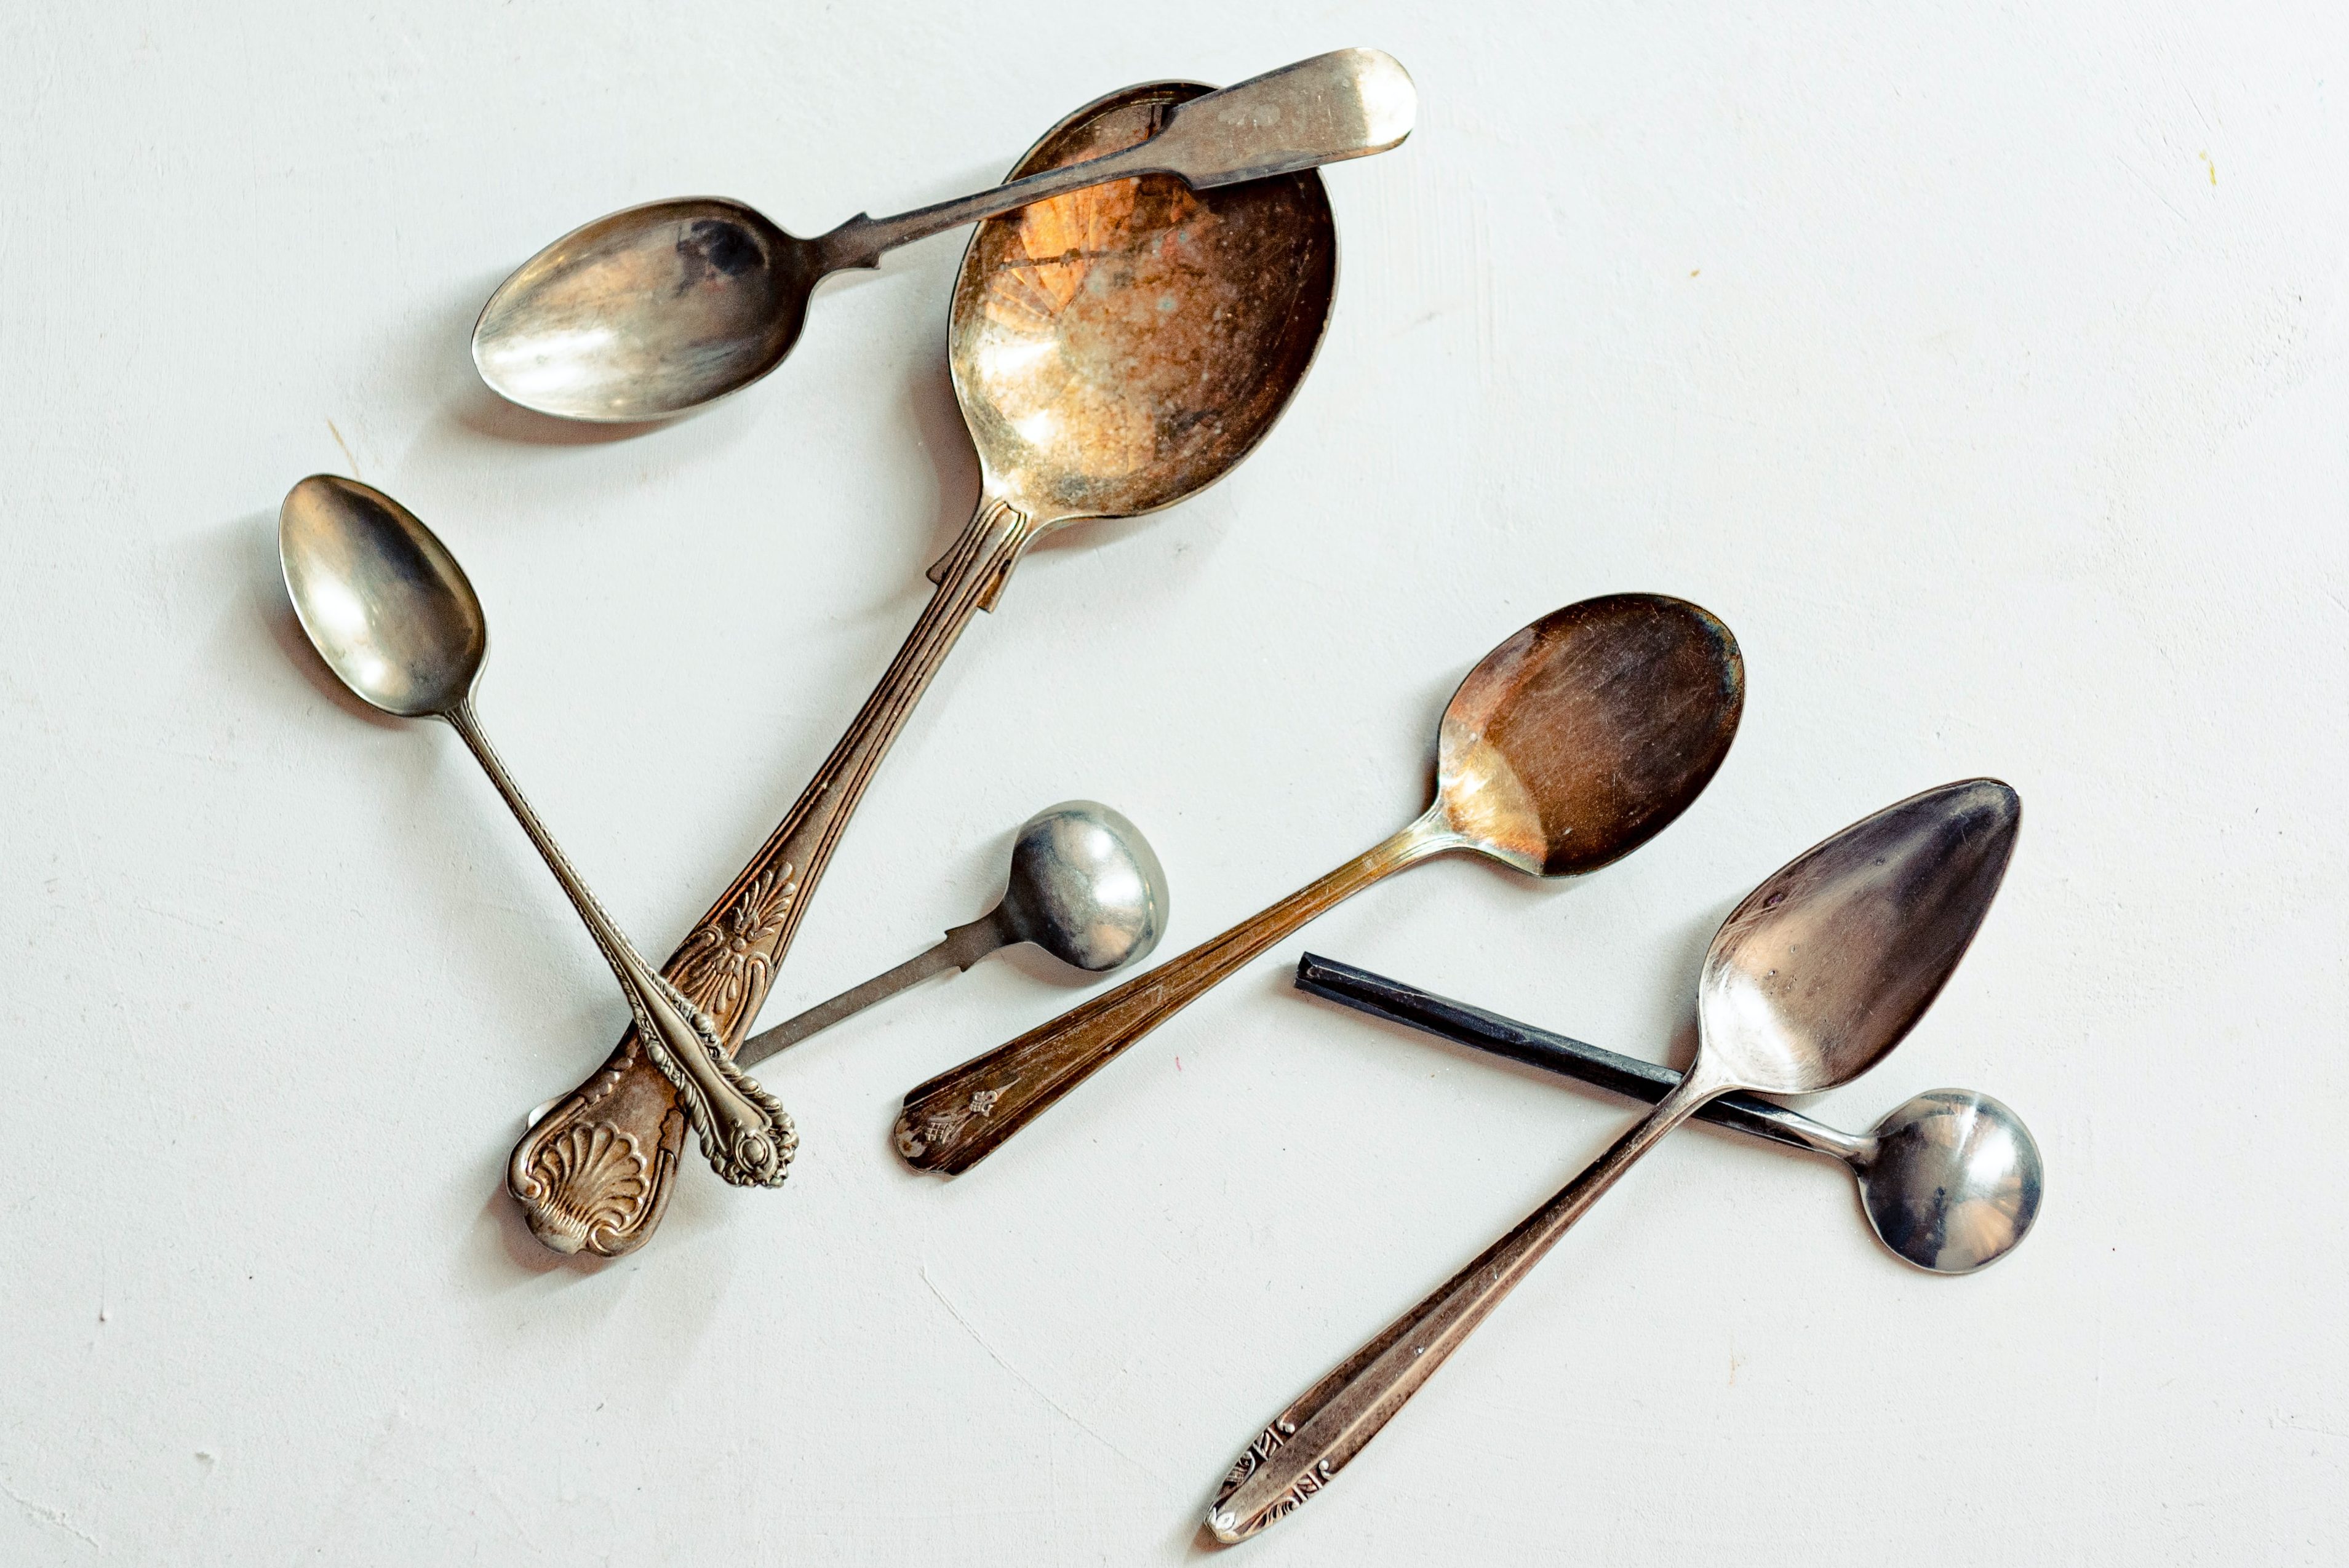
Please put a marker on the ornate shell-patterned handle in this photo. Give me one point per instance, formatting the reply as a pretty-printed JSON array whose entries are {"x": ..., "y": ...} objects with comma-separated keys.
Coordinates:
[{"x": 595, "y": 1175}]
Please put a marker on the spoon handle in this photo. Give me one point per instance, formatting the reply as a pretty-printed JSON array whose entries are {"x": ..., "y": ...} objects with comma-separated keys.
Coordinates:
[
  {"x": 959, "y": 1118},
  {"x": 963, "y": 946},
  {"x": 725, "y": 966},
  {"x": 1303, "y": 1448},
  {"x": 1562, "y": 1055},
  {"x": 744, "y": 1130},
  {"x": 1347, "y": 104}
]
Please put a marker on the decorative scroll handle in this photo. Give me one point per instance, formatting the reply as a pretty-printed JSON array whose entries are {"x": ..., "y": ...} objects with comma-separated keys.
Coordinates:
[
  {"x": 1304, "y": 1447},
  {"x": 959, "y": 1118},
  {"x": 595, "y": 1174}
]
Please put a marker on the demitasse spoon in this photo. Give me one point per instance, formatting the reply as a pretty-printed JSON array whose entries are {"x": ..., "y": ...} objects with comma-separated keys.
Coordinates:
[
  {"x": 392, "y": 613},
  {"x": 1809, "y": 981},
  {"x": 1086, "y": 886},
  {"x": 1571, "y": 745},
  {"x": 1949, "y": 1179},
  {"x": 1115, "y": 352},
  {"x": 660, "y": 308}
]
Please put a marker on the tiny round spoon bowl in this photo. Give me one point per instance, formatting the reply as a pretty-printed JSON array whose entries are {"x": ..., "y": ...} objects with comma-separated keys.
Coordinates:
[{"x": 1953, "y": 1182}]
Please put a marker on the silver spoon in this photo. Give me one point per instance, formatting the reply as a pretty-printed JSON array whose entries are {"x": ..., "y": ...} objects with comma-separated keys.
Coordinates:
[
  {"x": 1809, "y": 981},
  {"x": 392, "y": 612},
  {"x": 1086, "y": 886},
  {"x": 660, "y": 308},
  {"x": 1950, "y": 1180}
]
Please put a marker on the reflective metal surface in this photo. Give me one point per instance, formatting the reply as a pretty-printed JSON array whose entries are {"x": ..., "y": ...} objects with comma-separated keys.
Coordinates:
[
  {"x": 660, "y": 308},
  {"x": 1569, "y": 746},
  {"x": 392, "y": 613},
  {"x": 1950, "y": 1181},
  {"x": 1086, "y": 886},
  {"x": 1809, "y": 981},
  {"x": 1081, "y": 406}
]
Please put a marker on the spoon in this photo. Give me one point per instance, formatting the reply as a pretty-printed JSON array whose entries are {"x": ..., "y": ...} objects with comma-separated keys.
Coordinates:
[
  {"x": 660, "y": 308},
  {"x": 1571, "y": 745},
  {"x": 392, "y": 612},
  {"x": 1950, "y": 1180},
  {"x": 1115, "y": 352},
  {"x": 1809, "y": 981},
  {"x": 1086, "y": 886}
]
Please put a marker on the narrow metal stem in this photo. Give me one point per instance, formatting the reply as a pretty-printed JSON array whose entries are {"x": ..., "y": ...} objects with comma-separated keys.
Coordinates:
[
  {"x": 863, "y": 241},
  {"x": 1566, "y": 1056},
  {"x": 963, "y": 946},
  {"x": 1303, "y": 1448},
  {"x": 961, "y": 1116}
]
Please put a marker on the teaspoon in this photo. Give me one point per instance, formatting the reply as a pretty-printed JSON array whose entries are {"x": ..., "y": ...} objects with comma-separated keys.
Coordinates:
[
  {"x": 1816, "y": 974},
  {"x": 1086, "y": 886},
  {"x": 392, "y": 613},
  {"x": 1568, "y": 746},
  {"x": 660, "y": 308},
  {"x": 1113, "y": 352},
  {"x": 1949, "y": 1179}
]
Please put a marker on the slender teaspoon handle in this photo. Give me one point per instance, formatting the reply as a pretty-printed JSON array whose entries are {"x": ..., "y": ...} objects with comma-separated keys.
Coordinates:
[
  {"x": 745, "y": 1132},
  {"x": 959, "y": 1118},
  {"x": 963, "y": 946},
  {"x": 725, "y": 965},
  {"x": 1301, "y": 1450},
  {"x": 1553, "y": 1053}
]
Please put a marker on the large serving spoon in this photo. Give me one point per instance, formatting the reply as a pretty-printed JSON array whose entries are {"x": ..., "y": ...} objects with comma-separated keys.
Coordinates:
[
  {"x": 1084, "y": 885},
  {"x": 663, "y": 307},
  {"x": 1949, "y": 1179},
  {"x": 392, "y": 613},
  {"x": 1115, "y": 352},
  {"x": 1571, "y": 745},
  {"x": 1816, "y": 974}
]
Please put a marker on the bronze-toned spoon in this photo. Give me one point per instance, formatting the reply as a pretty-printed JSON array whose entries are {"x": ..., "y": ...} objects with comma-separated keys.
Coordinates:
[
  {"x": 1115, "y": 352},
  {"x": 1571, "y": 745},
  {"x": 661, "y": 308},
  {"x": 1809, "y": 981}
]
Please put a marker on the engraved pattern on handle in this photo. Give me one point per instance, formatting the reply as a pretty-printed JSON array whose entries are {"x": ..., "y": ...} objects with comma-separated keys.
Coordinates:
[
  {"x": 1303, "y": 1450},
  {"x": 609, "y": 1202},
  {"x": 959, "y": 1118}
]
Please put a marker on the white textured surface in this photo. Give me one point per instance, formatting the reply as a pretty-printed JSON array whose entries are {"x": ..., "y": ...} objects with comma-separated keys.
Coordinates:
[{"x": 1987, "y": 373}]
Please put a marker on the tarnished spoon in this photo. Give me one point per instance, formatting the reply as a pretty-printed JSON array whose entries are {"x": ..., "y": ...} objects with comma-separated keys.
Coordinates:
[
  {"x": 392, "y": 612},
  {"x": 1949, "y": 1179},
  {"x": 1115, "y": 352},
  {"x": 1086, "y": 886},
  {"x": 1809, "y": 981},
  {"x": 1571, "y": 745},
  {"x": 661, "y": 308}
]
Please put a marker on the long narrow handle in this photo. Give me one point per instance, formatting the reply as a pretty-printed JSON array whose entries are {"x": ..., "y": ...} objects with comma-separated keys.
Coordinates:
[
  {"x": 1347, "y": 104},
  {"x": 1301, "y": 1450},
  {"x": 1629, "y": 1076},
  {"x": 744, "y": 1130},
  {"x": 963, "y": 946},
  {"x": 618, "y": 1170},
  {"x": 959, "y": 1117}
]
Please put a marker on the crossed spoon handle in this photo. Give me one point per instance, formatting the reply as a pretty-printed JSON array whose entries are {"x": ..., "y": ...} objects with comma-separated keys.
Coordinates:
[
  {"x": 961, "y": 1116},
  {"x": 725, "y": 965},
  {"x": 1301, "y": 1450},
  {"x": 1346, "y": 104},
  {"x": 1561, "y": 1054}
]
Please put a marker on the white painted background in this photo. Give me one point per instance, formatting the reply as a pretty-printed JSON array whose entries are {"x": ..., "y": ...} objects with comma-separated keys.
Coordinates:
[{"x": 1987, "y": 372}]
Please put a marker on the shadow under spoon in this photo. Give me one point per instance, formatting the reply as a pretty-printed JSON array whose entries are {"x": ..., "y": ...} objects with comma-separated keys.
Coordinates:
[
  {"x": 661, "y": 308},
  {"x": 1949, "y": 1179},
  {"x": 1084, "y": 885},
  {"x": 1818, "y": 973},
  {"x": 393, "y": 615}
]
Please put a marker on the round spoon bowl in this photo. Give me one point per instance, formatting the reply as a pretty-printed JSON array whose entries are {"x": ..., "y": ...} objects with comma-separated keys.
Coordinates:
[
  {"x": 1585, "y": 734},
  {"x": 1119, "y": 348},
  {"x": 1954, "y": 1183},
  {"x": 382, "y": 600},
  {"x": 1086, "y": 887},
  {"x": 646, "y": 313}
]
